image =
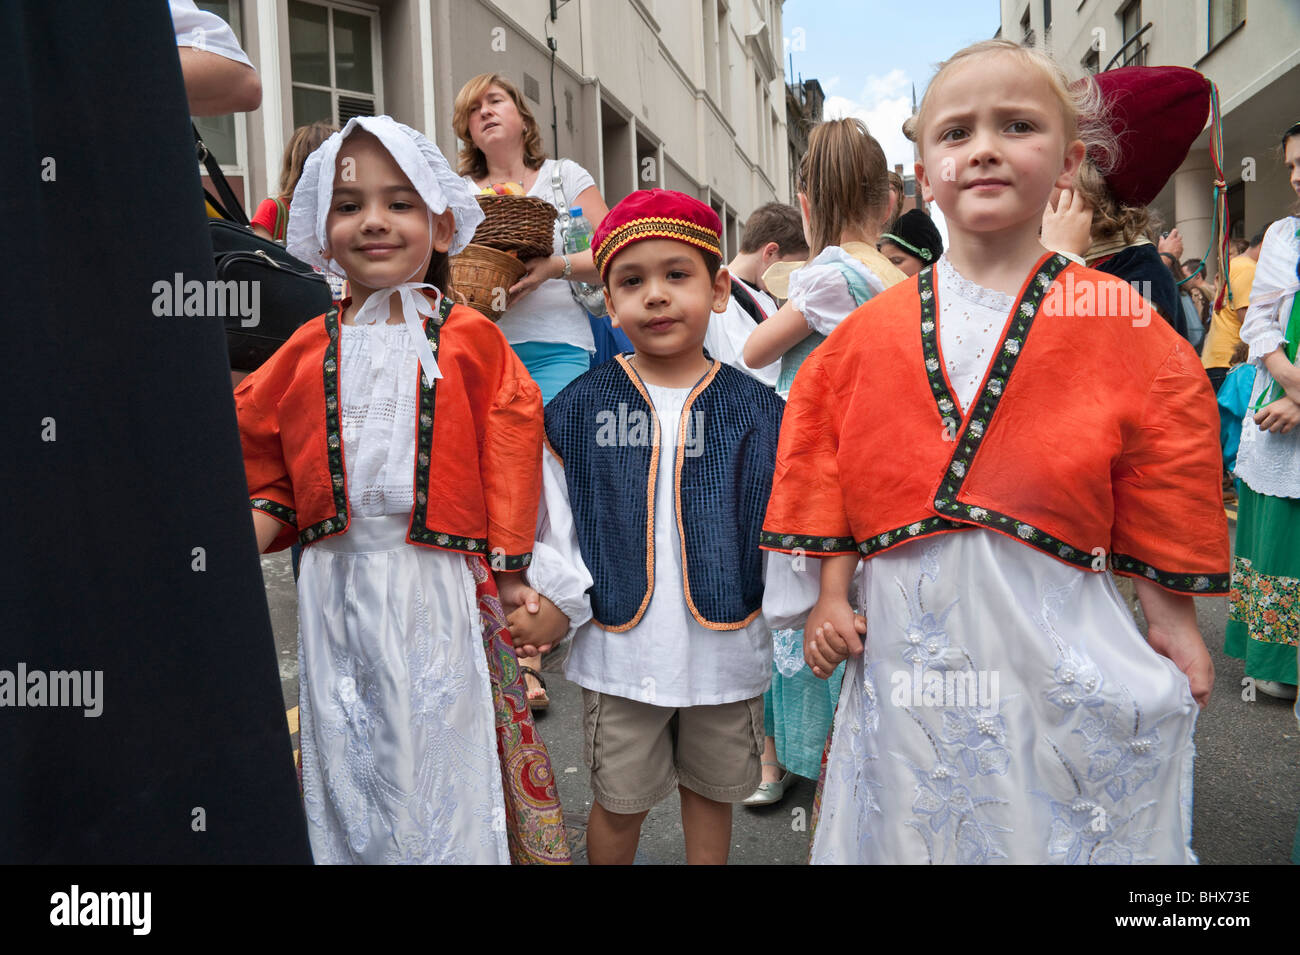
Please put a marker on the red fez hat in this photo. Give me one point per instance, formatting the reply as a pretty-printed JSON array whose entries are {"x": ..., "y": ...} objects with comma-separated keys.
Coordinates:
[
  {"x": 1156, "y": 113},
  {"x": 656, "y": 214}
]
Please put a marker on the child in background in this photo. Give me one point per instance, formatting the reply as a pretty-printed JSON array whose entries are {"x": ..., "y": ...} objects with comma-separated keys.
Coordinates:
[
  {"x": 1264, "y": 614},
  {"x": 271, "y": 220},
  {"x": 913, "y": 243},
  {"x": 417, "y": 745},
  {"x": 656, "y": 475},
  {"x": 954, "y": 434},
  {"x": 845, "y": 198},
  {"x": 1155, "y": 114},
  {"x": 773, "y": 233},
  {"x": 1234, "y": 398}
]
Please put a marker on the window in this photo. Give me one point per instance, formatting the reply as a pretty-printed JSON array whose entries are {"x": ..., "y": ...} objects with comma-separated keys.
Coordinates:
[
  {"x": 710, "y": 14},
  {"x": 333, "y": 61},
  {"x": 1237, "y": 210},
  {"x": 1092, "y": 61},
  {"x": 1225, "y": 16},
  {"x": 219, "y": 132},
  {"x": 724, "y": 62},
  {"x": 1026, "y": 31},
  {"x": 1131, "y": 23},
  {"x": 1047, "y": 15}
]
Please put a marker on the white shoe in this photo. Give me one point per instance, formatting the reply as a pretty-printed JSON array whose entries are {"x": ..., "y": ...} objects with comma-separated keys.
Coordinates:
[
  {"x": 1282, "y": 691},
  {"x": 768, "y": 794}
]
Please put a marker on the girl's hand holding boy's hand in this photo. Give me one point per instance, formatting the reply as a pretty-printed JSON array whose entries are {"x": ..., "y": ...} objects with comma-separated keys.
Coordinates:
[
  {"x": 1067, "y": 226},
  {"x": 833, "y": 633},
  {"x": 536, "y": 624}
]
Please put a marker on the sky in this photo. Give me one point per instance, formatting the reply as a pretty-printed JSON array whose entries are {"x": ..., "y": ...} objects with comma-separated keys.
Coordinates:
[{"x": 868, "y": 54}]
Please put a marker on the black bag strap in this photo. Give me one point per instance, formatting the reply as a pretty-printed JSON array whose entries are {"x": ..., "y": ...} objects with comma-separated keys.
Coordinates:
[
  {"x": 746, "y": 301},
  {"x": 231, "y": 205}
]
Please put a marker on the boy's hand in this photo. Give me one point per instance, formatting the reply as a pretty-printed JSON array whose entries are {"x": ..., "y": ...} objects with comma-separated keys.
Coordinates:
[
  {"x": 832, "y": 634},
  {"x": 536, "y": 625},
  {"x": 1067, "y": 226},
  {"x": 513, "y": 590}
]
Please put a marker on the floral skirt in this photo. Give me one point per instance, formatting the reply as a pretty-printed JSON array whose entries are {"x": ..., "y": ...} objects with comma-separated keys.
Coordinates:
[{"x": 1264, "y": 604}]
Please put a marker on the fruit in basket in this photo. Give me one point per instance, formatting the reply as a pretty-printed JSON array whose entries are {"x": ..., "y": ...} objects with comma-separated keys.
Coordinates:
[{"x": 502, "y": 189}]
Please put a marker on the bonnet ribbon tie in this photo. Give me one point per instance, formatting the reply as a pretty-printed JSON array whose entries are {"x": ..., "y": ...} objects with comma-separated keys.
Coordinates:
[{"x": 414, "y": 305}]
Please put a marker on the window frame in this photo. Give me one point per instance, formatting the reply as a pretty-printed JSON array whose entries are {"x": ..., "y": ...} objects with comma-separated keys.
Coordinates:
[{"x": 334, "y": 90}]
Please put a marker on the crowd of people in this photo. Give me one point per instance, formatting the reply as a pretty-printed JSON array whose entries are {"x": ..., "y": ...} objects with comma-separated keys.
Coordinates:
[{"x": 853, "y": 506}]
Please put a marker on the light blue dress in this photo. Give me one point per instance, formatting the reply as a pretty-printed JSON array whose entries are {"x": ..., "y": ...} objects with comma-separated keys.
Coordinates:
[{"x": 799, "y": 707}]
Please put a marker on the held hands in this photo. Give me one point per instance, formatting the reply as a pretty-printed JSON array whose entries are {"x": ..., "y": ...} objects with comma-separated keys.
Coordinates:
[
  {"x": 1067, "y": 226},
  {"x": 536, "y": 624},
  {"x": 538, "y": 270},
  {"x": 833, "y": 633}
]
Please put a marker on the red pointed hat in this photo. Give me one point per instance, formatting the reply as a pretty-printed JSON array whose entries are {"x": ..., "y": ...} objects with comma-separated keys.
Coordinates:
[
  {"x": 655, "y": 214},
  {"x": 1156, "y": 112}
]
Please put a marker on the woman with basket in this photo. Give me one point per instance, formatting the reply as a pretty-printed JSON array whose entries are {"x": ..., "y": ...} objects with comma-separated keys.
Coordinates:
[
  {"x": 502, "y": 146},
  {"x": 544, "y": 323}
]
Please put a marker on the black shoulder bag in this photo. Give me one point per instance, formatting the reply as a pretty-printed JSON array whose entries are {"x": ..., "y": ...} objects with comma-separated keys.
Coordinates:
[{"x": 283, "y": 291}]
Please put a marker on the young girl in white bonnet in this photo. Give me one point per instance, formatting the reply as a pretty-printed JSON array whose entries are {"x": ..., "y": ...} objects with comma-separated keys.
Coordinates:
[{"x": 397, "y": 437}]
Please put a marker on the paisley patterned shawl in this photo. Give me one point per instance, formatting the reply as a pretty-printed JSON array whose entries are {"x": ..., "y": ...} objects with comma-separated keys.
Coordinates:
[{"x": 534, "y": 820}]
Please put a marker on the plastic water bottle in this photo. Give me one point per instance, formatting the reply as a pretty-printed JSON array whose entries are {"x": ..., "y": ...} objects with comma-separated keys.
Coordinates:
[{"x": 578, "y": 239}]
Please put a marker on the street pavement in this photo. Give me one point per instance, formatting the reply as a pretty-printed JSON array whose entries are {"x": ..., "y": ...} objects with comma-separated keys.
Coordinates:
[{"x": 1247, "y": 785}]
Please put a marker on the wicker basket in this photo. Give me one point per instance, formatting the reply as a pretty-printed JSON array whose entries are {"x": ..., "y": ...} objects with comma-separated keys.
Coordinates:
[
  {"x": 523, "y": 225},
  {"x": 480, "y": 276}
]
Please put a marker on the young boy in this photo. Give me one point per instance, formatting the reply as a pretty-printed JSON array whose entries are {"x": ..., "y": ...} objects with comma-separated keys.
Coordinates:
[
  {"x": 774, "y": 233},
  {"x": 655, "y": 481}
]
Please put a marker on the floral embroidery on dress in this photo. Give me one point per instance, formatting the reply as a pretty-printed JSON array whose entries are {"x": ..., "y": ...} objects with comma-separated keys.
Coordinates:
[
  {"x": 1103, "y": 730},
  {"x": 968, "y": 743},
  {"x": 787, "y": 652}
]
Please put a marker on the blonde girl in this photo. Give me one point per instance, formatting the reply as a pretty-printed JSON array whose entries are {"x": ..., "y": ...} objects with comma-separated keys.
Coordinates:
[{"x": 954, "y": 438}]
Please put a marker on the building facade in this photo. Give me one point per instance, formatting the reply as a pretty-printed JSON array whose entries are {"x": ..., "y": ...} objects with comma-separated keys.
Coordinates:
[
  {"x": 1249, "y": 48},
  {"x": 680, "y": 94}
]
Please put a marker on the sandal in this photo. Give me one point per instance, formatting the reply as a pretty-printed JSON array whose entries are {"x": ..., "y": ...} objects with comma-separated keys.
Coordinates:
[{"x": 537, "y": 704}]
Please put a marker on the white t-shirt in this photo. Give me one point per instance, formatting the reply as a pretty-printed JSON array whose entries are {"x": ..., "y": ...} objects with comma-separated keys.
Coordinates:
[
  {"x": 667, "y": 659},
  {"x": 204, "y": 31},
  {"x": 728, "y": 331},
  {"x": 548, "y": 313}
]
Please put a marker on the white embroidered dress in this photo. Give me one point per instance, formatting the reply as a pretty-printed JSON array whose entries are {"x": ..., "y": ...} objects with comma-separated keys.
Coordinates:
[
  {"x": 1006, "y": 708},
  {"x": 399, "y": 758}
]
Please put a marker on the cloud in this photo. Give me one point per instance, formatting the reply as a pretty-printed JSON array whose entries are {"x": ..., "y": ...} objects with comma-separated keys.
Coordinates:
[
  {"x": 885, "y": 101},
  {"x": 883, "y": 104}
]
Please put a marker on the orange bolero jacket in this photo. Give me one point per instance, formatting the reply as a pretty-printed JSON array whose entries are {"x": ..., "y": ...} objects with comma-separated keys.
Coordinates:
[
  {"x": 478, "y": 440},
  {"x": 1094, "y": 436}
]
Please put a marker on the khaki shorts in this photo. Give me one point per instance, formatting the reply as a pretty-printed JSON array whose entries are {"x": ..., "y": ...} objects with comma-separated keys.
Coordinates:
[{"x": 639, "y": 753}]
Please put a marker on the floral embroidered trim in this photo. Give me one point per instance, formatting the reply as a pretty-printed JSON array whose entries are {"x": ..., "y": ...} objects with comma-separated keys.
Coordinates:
[
  {"x": 333, "y": 438},
  {"x": 419, "y": 532},
  {"x": 285, "y": 515},
  {"x": 1266, "y": 603},
  {"x": 874, "y": 545},
  {"x": 771, "y": 540},
  {"x": 949, "y": 410},
  {"x": 1183, "y": 583}
]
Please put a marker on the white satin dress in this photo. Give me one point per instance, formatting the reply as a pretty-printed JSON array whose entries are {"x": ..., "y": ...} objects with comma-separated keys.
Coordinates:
[
  {"x": 1006, "y": 708},
  {"x": 399, "y": 761}
]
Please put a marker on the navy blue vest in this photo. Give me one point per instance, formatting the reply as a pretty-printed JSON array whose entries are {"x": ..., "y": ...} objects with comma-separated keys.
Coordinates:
[{"x": 605, "y": 430}]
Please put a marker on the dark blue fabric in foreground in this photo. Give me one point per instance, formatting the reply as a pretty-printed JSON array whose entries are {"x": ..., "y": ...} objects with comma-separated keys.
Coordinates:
[{"x": 128, "y": 549}]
